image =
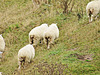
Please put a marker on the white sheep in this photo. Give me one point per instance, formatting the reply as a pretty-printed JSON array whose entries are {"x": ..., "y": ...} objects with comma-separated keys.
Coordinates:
[
  {"x": 25, "y": 55},
  {"x": 2, "y": 44},
  {"x": 36, "y": 34},
  {"x": 93, "y": 9},
  {"x": 0, "y": 73},
  {"x": 51, "y": 34},
  {"x": 1, "y": 55}
]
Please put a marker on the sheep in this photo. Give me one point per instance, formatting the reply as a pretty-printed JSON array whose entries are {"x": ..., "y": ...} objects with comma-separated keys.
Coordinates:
[
  {"x": 2, "y": 44},
  {"x": 1, "y": 54},
  {"x": 92, "y": 9},
  {"x": 51, "y": 34},
  {"x": 0, "y": 73},
  {"x": 25, "y": 55},
  {"x": 36, "y": 34}
]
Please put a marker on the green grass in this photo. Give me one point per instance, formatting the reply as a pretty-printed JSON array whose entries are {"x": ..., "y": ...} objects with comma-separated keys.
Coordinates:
[{"x": 77, "y": 38}]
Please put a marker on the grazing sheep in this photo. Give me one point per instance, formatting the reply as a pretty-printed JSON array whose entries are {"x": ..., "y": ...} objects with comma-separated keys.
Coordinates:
[
  {"x": 25, "y": 55},
  {"x": 51, "y": 34},
  {"x": 36, "y": 34},
  {"x": 93, "y": 9},
  {"x": 2, "y": 44}
]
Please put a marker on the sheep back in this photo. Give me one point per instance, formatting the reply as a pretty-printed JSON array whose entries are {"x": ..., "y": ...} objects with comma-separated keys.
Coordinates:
[
  {"x": 27, "y": 51},
  {"x": 52, "y": 31},
  {"x": 37, "y": 32}
]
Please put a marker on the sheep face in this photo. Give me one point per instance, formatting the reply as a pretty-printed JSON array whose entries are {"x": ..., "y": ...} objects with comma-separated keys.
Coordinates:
[
  {"x": 91, "y": 15},
  {"x": 36, "y": 40},
  {"x": 31, "y": 39}
]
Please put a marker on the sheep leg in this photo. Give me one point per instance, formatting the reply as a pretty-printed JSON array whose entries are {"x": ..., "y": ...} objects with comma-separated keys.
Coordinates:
[
  {"x": 92, "y": 18},
  {"x": 19, "y": 63},
  {"x": 46, "y": 40},
  {"x": 26, "y": 62},
  {"x": 48, "y": 43},
  {"x": 48, "y": 46},
  {"x": 51, "y": 42},
  {"x": 89, "y": 18}
]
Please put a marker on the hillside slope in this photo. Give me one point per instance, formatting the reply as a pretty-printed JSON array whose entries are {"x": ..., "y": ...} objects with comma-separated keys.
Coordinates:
[{"x": 75, "y": 52}]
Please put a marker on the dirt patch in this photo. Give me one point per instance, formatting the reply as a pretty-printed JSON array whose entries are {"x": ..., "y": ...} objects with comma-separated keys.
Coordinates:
[
  {"x": 72, "y": 49},
  {"x": 48, "y": 69},
  {"x": 82, "y": 57},
  {"x": 51, "y": 69}
]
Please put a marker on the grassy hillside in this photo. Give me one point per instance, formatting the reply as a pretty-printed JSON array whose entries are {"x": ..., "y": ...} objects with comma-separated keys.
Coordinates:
[{"x": 75, "y": 52}]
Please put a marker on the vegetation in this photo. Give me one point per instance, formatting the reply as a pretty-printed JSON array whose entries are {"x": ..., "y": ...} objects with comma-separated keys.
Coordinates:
[{"x": 75, "y": 52}]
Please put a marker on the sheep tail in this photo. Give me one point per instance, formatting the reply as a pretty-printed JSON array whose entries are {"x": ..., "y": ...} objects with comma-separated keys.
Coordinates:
[{"x": 32, "y": 41}]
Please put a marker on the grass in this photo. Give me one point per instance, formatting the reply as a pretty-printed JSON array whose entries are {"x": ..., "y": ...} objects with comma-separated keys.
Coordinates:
[{"x": 77, "y": 39}]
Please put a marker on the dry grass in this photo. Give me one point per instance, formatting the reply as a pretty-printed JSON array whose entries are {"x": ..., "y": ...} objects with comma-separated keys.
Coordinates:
[{"x": 77, "y": 39}]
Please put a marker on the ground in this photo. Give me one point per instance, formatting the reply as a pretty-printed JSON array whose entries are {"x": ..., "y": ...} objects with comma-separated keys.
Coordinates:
[{"x": 75, "y": 52}]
